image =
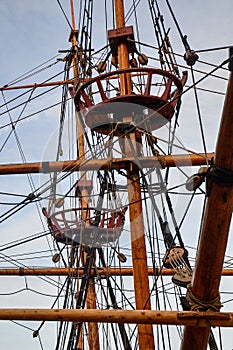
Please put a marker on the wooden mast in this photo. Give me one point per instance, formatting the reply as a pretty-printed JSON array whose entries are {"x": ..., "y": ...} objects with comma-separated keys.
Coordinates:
[
  {"x": 214, "y": 234},
  {"x": 73, "y": 40},
  {"x": 93, "y": 337},
  {"x": 139, "y": 257}
]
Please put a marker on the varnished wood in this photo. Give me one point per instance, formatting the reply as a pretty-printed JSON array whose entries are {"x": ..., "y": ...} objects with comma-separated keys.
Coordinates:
[
  {"x": 198, "y": 319},
  {"x": 138, "y": 245},
  {"x": 93, "y": 329},
  {"x": 36, "y": 85},
  {"x": 104, "y": 164},
  {"x": 72, "y": 14},
  {"x": 93, "y": 334},
  {"x": 111, "y": 271},
  {"x": 214, "y": 233}
]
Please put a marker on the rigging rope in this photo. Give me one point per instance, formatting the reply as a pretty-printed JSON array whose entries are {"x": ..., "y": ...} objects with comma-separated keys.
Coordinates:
[
  {"x": 199, "y": 116},
  {"x": 183, "y": 37},
  {"x": 197, "y": 304},
  {"x": 27, "y": 75},
  {"x": 67, "y": 20}
]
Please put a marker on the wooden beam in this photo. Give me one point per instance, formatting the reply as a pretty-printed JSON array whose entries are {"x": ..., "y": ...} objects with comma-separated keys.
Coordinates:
[
  {"x": 216, "y": 223},
  {"x": 56, "y": 271},
  {"x": 197, "y": 319},
  {"x": 179, "y": 160}
]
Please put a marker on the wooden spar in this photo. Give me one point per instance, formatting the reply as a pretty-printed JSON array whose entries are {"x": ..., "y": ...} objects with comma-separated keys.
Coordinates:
[
  {"x": 201, "y": 320},
  {"x": 214, "y": 233},
  {"x": 103, "y": 164},
  {"x": 56, "y": 271},
  {"x": 138, "y": 245},
  {"x": 36, "y": 85}
]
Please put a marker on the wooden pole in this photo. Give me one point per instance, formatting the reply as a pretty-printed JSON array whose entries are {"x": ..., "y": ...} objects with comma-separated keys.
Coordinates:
[
  {"x": 123, "y": 56},
  {"x": 72, "y": 14},
  {"x": 104, "y": 164},
  {"x": 93, "y": 331},
  {"x": 200, "y": 320},
  {"x": 139, "y": 258},
  {"x": 214, "y": 233},
  {"x": 111, "y": 271},
  {"x": 36, "y": 85}
]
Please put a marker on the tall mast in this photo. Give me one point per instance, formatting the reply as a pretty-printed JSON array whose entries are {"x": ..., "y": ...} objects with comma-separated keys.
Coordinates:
[
  {"x": 204, "y": 288},
  {"x": 93, "y": 337},
  {"x": 139, "y": 256},
  {"x": 73, "y": 39}
]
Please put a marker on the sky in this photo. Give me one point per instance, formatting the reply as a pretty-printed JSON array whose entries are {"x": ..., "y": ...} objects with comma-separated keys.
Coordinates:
[{"x": 32, "y": 32}]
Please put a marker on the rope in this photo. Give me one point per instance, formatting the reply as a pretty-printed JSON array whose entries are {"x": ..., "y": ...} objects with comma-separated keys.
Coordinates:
[
  {"x": 215, "y": 48},
  {"x": 31, "y": 99},
  {"x": 201, "y": 305},
  {"x": 64, "y": 14},
  {"x": 183, "y": 37},
  {"x": 165, "y": 51},
  {"x": 179, "y": 55},
  {"x": 199, "y": 115},
  {"x": 31, "y": 73}
]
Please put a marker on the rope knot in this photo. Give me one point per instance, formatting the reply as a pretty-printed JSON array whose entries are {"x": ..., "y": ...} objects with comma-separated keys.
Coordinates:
[
  {"x": 162, "y": 161},
  {"x": 202, "y": 305}
]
